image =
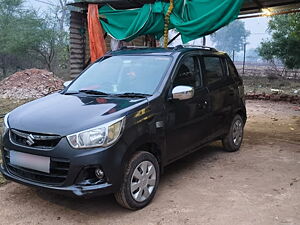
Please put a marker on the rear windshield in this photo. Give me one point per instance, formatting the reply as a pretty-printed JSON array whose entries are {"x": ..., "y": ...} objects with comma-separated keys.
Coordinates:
[{"x": 123, "y": 74}]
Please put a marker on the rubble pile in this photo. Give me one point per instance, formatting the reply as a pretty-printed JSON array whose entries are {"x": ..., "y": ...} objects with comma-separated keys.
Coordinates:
[{"x": 30, "y": 84}]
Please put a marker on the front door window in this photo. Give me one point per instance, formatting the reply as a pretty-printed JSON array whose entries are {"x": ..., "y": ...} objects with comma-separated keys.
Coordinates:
[{"x": 188, "y": 73}]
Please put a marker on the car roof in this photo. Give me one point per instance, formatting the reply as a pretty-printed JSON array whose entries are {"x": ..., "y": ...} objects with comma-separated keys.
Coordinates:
[{"x": 178, "y": 50}]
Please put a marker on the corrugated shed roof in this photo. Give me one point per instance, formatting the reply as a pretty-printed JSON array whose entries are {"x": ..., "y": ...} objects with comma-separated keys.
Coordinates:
[
  {"x": 255, "y": 6},
  {"x": 249, "y": 7}
]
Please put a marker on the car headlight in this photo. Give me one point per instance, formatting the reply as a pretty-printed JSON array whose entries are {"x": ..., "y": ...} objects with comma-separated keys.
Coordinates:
[
  {"x": 100, "y": 136},
  {"x": 5, "y": 125}
]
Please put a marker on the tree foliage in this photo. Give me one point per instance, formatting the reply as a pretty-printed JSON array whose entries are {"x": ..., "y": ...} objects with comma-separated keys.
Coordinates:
[
  {"x": 29, "y": 39},
  {"x": 284, "y": 44},
  {"x": 19, "y": 32},
  {"x": 231, "y": 37}
]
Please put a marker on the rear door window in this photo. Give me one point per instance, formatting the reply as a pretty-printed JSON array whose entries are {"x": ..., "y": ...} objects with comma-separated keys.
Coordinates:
[
  {"x": 213, "y": 69},
  {"x": 232, "y": 70}
]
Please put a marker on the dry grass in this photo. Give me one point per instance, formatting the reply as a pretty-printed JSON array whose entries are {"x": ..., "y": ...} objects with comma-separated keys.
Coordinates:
[{"x": 264, "y": 85}]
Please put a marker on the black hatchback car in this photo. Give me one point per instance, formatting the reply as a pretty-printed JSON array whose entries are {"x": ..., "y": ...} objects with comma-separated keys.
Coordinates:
[{"x": 116, "y": 126}]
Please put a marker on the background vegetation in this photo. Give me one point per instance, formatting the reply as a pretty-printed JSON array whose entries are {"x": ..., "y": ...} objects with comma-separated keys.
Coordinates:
[
  {"x": 29, "y": 38},
  {"x": 284, "y": 44},
  {"x": 232, "y": 37}
]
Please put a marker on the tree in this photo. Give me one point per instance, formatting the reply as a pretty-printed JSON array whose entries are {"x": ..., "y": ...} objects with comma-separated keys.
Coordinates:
[
  {"x": 284, "y": 44},
  {"x": 252, "y": 55},
  {"x": 28, "y": 39},
  {"x": 19, "y": 31},
  {"x": 55, "y": 46},
  {"x": 59, "y": 11},
  {"x": 231, "y": 37}
]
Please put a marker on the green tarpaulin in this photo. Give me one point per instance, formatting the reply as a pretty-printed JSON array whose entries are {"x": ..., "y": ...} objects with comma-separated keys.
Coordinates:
[{"x": 192, "y": 18}]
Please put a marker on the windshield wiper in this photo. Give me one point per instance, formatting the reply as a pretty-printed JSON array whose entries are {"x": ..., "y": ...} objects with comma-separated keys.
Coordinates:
[
  {"x": 132, "y": 95},
  {"x": 93, "y": 92}
]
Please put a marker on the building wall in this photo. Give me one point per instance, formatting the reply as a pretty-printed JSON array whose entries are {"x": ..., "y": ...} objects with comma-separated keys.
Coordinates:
[{"x": 77, "y": 43}]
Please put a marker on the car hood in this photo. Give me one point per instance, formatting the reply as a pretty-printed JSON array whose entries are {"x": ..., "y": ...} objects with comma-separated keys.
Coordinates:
[{"x": 66, "y": 114}]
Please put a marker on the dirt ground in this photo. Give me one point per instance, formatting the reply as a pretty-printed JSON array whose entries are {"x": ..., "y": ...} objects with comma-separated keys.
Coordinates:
[{"x": 258, "y": 185}]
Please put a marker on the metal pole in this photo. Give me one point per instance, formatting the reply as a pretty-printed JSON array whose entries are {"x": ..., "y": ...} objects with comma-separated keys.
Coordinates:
[
  {"x": 204, "y": 41},
  {"x": 244, "y": 58}
]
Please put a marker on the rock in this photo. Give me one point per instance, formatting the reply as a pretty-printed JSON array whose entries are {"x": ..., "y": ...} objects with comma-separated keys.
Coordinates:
[{"x": 276, "y": 91}]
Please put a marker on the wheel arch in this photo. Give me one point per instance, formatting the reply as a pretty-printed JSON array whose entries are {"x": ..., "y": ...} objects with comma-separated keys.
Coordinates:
[{"x": 144, "y": 144}]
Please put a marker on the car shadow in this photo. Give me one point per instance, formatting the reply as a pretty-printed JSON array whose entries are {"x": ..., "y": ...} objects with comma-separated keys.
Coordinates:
[
  {"x": 202, "y": 156},
  {"x": 107, "y": 205}
]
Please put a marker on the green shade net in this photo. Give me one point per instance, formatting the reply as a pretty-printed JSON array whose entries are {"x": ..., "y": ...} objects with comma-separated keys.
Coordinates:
[{"x": 192, "y": 18}]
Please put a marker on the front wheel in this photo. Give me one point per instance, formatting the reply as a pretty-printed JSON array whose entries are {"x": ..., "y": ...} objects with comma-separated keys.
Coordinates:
[
  {"x": 140, "y": 181},
  {"x": 233, "y": 140}
]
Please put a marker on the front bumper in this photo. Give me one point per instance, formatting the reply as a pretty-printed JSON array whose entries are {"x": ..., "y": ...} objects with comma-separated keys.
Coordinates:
[
  {"x": 79, "y": 161},
  {"x": 77, "y": 190}
]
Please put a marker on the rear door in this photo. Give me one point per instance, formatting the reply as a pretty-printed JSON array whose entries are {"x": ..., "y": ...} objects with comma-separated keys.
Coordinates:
[
  {"x": 237, "y": 85},
  {"x": 221, "y": 92}
]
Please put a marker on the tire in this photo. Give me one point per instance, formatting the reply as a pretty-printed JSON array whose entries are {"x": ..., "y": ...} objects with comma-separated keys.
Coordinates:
[
  {"x": 133, "y": 193},
  {"x": 233, "y": 140}
]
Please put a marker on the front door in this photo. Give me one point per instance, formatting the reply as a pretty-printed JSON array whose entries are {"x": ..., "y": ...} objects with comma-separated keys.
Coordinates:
[{"x": 186, "y": 123}]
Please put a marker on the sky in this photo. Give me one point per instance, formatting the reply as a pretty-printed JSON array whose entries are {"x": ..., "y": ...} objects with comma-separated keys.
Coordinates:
[
  {"x": 36, "y": 4},
  {"x": 257, "y": 26}
]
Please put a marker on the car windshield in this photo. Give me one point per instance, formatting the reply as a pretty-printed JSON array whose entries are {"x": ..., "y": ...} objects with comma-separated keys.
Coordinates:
[{"x": 122, "y": 74}]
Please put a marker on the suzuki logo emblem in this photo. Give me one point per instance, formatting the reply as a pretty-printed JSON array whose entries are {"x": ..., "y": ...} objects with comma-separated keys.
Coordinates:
[{"x": 30, "y": 140}]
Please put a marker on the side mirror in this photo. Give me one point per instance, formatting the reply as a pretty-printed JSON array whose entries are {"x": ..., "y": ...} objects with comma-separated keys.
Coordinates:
[
  {"x": 67, "y": 83},
  {"x": 183, "y": 92}
]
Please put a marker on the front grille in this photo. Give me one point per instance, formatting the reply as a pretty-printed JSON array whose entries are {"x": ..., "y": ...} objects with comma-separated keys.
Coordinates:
[
  {"x": 59, "y": 169},
  {"x": 34, "y": 140}
]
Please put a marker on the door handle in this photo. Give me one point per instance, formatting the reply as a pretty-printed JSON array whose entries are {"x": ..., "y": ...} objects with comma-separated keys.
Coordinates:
[
  {"x": 231, "y": 92},
  {"x": 202, "y": 105}
]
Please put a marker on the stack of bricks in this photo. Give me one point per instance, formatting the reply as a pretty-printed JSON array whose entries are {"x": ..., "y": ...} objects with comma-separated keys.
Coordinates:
[{"x": 295, "y": 99}]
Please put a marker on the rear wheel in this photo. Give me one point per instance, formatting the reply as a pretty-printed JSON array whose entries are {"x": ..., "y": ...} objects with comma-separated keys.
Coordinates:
[
  {"x": 233, "y": 140},
  {"x": 140, "y": 181}
]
